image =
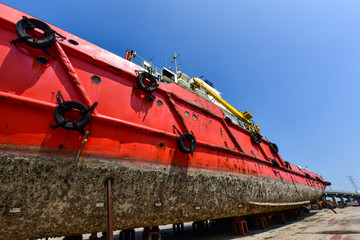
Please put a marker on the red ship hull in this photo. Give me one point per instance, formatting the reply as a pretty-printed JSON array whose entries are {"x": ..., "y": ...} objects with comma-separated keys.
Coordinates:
[{"x": 56, "y": 179}]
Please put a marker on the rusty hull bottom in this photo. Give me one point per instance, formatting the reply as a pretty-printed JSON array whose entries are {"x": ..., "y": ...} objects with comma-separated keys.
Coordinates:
[{"x": 58, "y": 196}]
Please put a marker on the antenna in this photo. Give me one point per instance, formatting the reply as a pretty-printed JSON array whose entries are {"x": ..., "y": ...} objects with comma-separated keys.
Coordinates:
[
  {"x": 176, "y": 57},
  {"x": 353, "y": 183}
]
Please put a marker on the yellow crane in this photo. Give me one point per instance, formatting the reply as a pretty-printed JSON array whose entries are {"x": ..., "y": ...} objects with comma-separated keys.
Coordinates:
[{"x": 242, "y": 116}]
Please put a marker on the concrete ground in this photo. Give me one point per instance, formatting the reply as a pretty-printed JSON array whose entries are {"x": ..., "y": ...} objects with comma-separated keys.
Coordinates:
[
  {"x": 323, "y": 224},
  {"x": 316, "y": 225}
]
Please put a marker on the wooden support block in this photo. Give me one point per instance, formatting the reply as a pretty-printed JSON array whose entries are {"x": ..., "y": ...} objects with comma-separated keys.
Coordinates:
[
  {"x": 240, "y": 227},
  {"x": 127, "y": 234},
  {"x": 151, "y": 233},
  {"x": 178, "y": 228}
]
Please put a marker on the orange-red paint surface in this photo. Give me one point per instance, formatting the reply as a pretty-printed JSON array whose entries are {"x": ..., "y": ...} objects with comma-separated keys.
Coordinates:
[{"x": 124, "y": 125}]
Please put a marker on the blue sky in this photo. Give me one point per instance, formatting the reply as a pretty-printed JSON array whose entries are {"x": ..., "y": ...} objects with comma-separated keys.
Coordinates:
[{"x": 294, "y": 64}]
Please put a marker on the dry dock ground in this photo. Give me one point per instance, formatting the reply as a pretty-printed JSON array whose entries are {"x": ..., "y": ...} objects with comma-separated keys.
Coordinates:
[
  {"x": 316, "y": 225},
  {"x": 323, "y": 224}
]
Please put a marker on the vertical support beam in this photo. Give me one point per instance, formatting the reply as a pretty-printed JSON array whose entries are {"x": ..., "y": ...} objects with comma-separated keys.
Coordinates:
[
  {"x": 264, "y": 154},
  {"x": 69, "y": 69},
  {"x": 232, "y": 137},
  {"x": 109, "y": 211},
  {"x": 174, "y": 108}
]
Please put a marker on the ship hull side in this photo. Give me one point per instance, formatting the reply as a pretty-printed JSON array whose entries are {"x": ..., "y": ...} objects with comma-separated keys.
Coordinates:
[
  {"x": 45, "y": 190},
  {"x": 57, "y": 195}
]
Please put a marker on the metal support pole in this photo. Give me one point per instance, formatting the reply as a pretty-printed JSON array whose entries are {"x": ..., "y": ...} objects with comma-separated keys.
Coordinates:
[{"x": 109, "y": 211}]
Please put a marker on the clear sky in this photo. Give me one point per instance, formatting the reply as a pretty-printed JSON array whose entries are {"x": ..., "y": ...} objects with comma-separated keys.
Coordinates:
[{"x": 294, "y": 64}]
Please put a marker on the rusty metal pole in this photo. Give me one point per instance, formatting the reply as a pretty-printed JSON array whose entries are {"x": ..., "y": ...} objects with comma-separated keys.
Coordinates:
[{"x": 109, "y": 211}]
